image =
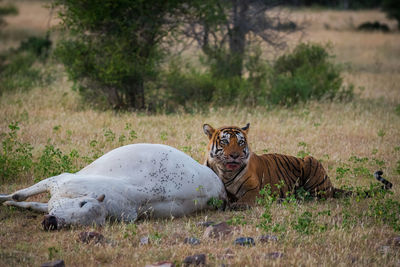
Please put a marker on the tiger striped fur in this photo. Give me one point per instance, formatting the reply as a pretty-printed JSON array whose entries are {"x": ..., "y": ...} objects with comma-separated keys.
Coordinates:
[{"x": 244, "y": 173}]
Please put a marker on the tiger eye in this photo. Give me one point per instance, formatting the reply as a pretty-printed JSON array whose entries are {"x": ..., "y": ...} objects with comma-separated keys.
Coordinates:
[{"x": 223, "y": 142}]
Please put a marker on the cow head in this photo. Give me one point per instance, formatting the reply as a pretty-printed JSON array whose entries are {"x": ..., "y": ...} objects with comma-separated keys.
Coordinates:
[{"x": 75, "y": 211}]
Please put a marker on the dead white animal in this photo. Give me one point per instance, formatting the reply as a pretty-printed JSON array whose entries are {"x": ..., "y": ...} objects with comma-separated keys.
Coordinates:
[{"x": 124, "y": 184}]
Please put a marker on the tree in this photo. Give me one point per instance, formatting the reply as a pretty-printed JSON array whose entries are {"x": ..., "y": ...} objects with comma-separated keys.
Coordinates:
[
  {"x": 225, "y": 32},
  {"x": 113, "y": 47},
  {"x": 392, "y": 9}
]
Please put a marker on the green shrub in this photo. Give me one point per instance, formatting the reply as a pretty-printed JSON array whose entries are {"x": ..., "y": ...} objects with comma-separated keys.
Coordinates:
[
  {"x": 115, "y": 49},
  {"x": 386, "y": 210},
  {"x": 189, "y": 86},
  {"x": 18, "y": 73},
  {"x": 15, "y": 156},
  {"x": 39, "y": 46},
  {"x": 17, "y": 66},
  {"x": 306, "y": 73},
  {"x": 53, "y": 162}
]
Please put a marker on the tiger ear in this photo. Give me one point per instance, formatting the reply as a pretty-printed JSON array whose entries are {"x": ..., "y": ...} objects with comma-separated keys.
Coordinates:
[
  {"x": 246, "y": 128},
  {"x": 208, "y": 130}
]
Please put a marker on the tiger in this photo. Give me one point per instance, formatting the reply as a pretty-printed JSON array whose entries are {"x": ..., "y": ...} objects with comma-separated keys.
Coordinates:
[{"x": 245, "y": 173}]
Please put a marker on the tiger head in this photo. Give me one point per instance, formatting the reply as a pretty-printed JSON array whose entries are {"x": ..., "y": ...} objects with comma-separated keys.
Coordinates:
[{"x": 227, "y": 151}]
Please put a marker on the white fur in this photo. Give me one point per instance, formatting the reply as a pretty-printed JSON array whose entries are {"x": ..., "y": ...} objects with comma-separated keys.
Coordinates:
[{"x": 136, "y": 179}]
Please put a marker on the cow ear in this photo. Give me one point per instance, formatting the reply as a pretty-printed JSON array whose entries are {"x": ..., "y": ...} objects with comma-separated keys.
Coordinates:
[
  {"x": 246, "y": 128},
  {"x": 208, "y": 130},
  {"x": 101, "y": 198}
]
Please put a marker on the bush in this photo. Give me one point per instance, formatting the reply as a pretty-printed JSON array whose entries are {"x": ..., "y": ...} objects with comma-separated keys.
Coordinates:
[
  {"x": 17, "y": 161},
  {"x": 17, "y": 66},
  {"x": 18, "y": 72},
  {"x": 373, "y": 26},
  {"x": 115, "y": 49},
  {"x": 54, "y": 162},
  {"x": 15, "y": 156},
  {"x": 190, "y": 87},
  {"x": 392, "y": 9},
  {"x": 306, "y": 73}
]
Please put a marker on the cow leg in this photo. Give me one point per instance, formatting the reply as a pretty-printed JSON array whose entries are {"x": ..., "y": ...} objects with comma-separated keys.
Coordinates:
[
  {"x": 36, "y": 206},
  {"x": 23, "y": 194}
]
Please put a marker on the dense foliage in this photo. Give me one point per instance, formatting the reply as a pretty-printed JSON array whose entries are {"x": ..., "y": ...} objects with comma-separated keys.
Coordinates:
[
  {"x": 111, "y": 50},
  {"x": 19, "y": 68},
  {"x": 392, "y": 9},
  {"x": 306, "y": 73}
]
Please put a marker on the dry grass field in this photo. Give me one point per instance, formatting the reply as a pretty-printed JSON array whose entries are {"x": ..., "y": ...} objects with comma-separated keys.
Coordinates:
[{"x": 359, "y": 137}]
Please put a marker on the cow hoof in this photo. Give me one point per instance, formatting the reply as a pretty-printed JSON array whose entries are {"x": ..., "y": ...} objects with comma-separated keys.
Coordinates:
[
  {"x": 17, "y": 197},
  {"x": 49, "y": 223}
]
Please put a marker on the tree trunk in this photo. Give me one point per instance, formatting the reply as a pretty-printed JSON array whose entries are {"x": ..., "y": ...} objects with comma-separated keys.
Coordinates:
[
  {"x": 135, "y": 94},
  {"x": 237, "y": 36}
]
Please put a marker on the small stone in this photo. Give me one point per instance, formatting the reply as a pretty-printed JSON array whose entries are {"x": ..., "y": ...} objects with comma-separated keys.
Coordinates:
[
  {"x": 161, "y": 264},
  {"x": 267, "y": 238},
  {"x": 191, "y": 241},
  {"x": 245, "y": 241},
  {"x": 206, "y": 224},
  {"x": 198, "y": 259},
  {"x": 88, "y": 237},
  {"x": 274, "y": 255},
  {"x": 217, "y": 230},
  {"x": 144, "y": 240},
  {"x": 384, "y": 249},
  {"x": 57, "y": 263}
]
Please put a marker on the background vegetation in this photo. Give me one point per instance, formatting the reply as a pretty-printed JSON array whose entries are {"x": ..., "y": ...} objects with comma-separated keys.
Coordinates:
[{"x": 47, "y": 128}]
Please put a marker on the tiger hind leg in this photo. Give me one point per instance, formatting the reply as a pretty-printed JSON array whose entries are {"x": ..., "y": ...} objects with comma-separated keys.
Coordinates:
[{"x": 316, "y": 180}]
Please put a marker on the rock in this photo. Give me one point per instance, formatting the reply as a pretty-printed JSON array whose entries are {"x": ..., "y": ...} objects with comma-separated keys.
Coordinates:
[
  {"x": 384, "y": 249},
  {"x": 206, "y": 224},
  {"x": 245, "y": 241},
  {"x": 161, "y": 264},
  {"x": 267, "y": 238},
  {"x": 217, "y": 230},
  {"x": 198, "y": 259},
  {"x": 88, "y": 237},
  {"x": 144, "y": 240},
  {"x": 274, "y": 255},
  {"x": 191, "y": 241},
  {"x": 57, "y": 263}
]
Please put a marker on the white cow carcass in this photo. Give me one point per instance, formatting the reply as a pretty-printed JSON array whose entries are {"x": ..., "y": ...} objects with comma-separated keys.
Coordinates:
[{"x": 125, "y": 184}]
